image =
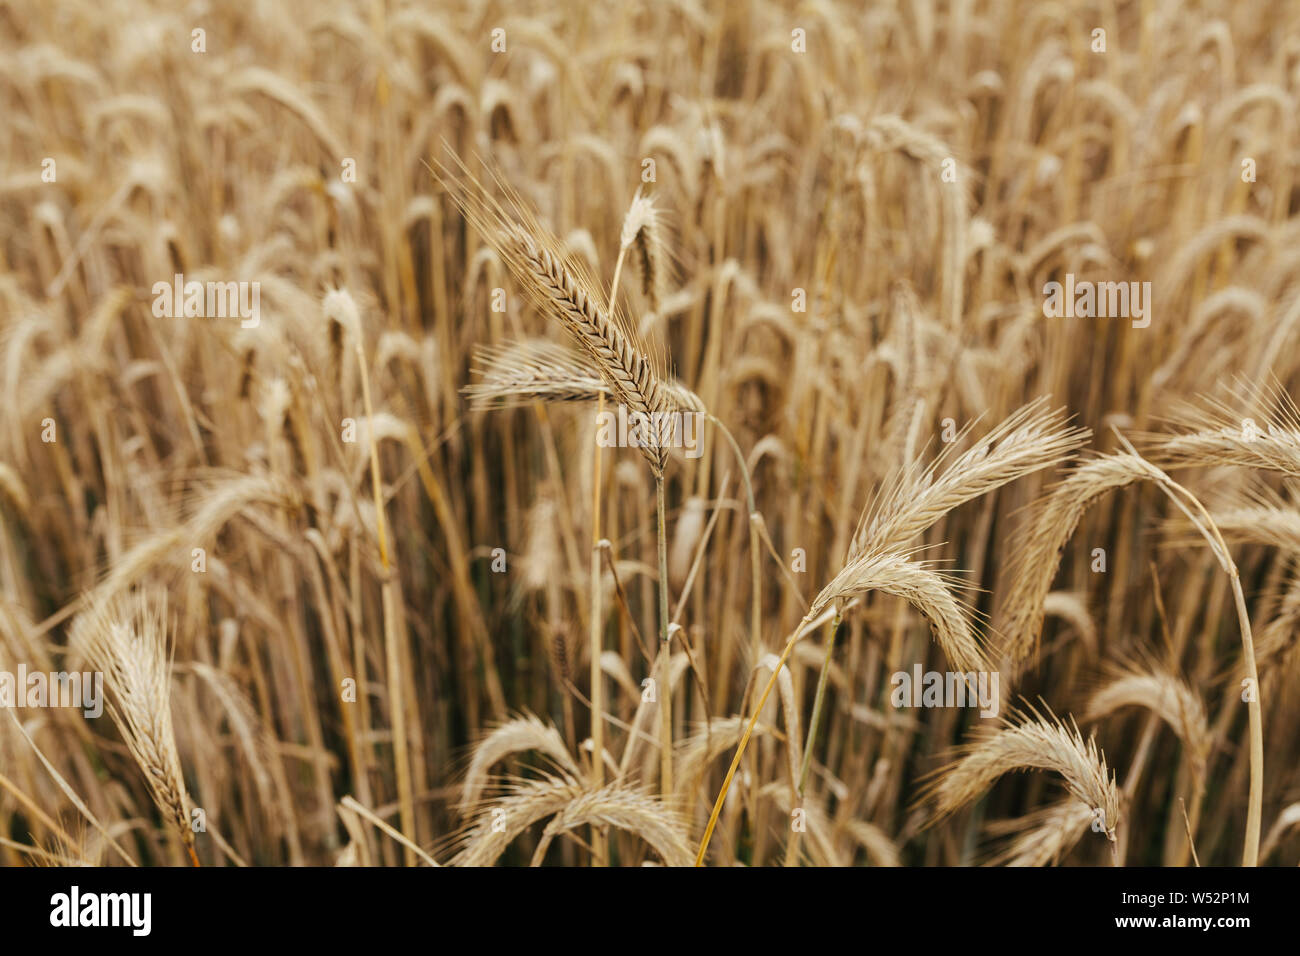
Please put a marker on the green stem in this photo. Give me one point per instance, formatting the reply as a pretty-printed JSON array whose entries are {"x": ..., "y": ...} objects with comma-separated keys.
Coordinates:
[{"x": 815, "y": 723}]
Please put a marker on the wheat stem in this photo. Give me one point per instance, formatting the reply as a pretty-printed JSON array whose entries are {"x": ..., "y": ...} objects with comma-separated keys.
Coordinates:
[
  {"x": 665, "y": 652},
  {"x": 392, "y": 645},
  {"x": 1206, "y": 526},
  {"x": 814, "y": 723},
  {"x": 744, "y": 741},
  {"x": 599, "y": 845}
]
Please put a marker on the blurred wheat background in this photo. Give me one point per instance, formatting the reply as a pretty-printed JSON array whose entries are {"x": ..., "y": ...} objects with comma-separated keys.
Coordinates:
[{"x": 346, "y": 612}]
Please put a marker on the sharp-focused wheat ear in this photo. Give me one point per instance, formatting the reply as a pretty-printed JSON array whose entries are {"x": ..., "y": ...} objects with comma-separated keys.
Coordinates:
[
  {"x": 917, "y": 264},
  {"x": 563, "y": 291}
]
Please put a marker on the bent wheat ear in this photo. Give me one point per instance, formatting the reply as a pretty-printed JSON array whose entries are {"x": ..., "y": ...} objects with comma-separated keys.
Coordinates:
[
  {"x": 527, "y": 802},
  {"x": 1029, "y": 742},
  {"x": 1165, "y": 696},
  {"x": 927, "y": 591},
  {"x": 1257, "y": 515},
  {"x": 1224, "y": 432},
  {"x": 641, "y": 230},
  {"x": 1277, "y": 526},
  {"x": 1057, "y": 516},
  {"x": 1044, "y": 837},
  {"x": 126, "y": 639},
  {"x": 623, "y": 809},
  {"x": 511, "y": 737}
]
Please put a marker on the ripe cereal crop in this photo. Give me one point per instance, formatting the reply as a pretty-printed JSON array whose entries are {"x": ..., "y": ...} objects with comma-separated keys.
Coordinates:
[{"x": 676, "y": 433}]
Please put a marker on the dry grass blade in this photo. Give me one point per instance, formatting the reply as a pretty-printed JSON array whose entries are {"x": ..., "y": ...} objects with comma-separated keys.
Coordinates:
[
  {"x": 64, "y": 786},
  {"x": 351, "y": 803}
]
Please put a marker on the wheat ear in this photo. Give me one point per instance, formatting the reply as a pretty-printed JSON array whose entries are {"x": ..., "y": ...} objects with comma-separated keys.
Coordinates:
[
  {"x": 1029, "y": 742},
  {"x": 126, "y": 639},
  {"x": 1165, "y": 696},
  {"x": 519, "y": 373},
  {"x": 1044, "y": 837}
]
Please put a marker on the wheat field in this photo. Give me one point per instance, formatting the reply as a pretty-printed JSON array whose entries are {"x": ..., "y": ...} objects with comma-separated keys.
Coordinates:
[{"x": 618, "y": 434}]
